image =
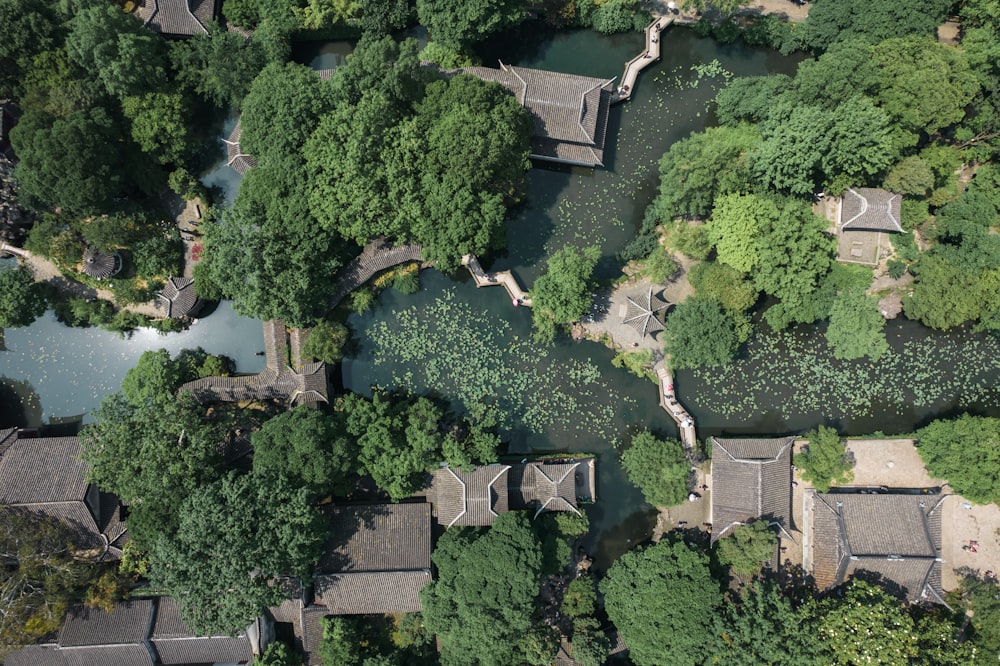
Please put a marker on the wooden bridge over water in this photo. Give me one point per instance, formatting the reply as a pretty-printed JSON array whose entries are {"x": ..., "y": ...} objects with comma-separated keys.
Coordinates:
[
  {"x": 505, "y": 279},
  {"x": 668, "y": 401},
  {"x": 643, "y": 60}
]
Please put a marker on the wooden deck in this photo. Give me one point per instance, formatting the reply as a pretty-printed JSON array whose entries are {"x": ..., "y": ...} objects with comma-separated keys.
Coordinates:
[
  {"x": 505, "y": 279},
  {"x": 669, "y": 403},
  {"x": 643, "y": 60}
]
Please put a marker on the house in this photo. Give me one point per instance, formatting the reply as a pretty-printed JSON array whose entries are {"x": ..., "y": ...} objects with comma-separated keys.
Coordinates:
[
  {"x": 569, "y": 113},
  {"x": 751, "y": 480},
  {"x": 865, "y": 217},
  {"x": 544, "y": 487},
  {"x": 476, "y": 497},
  {"x": 99, "y": 265},
  {"x": 891, "y": 539},
  {"x": 473, "y": 498},
  {"x": 177, "y": 18},
  {"x": 377, "y": 561},
  {"x": 46, "y": 476},
  {"x": 179, "y": 298},
  {"x": 140, "y": 632}
]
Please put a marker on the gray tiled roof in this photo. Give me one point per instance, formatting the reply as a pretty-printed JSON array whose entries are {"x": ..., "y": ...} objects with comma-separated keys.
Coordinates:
[
  {"x": 378, "y": 537},
  {"x": 177, "y": 17},
  {"x": 46, "y": 476},
  {"x": 896, "y": 538},
  {"x": 107, "y": 655},
  {"x": 870, "y": 209},
  {"x": 569, "y": 113},
  {"x": 751, "y": 479},
  {"x": 312, "y": 633},
  {"x": 176, "y": 644},
  {"x": 98, "y": 265},
  {"x": 473, "y": 498},
  {"x": 544, "y": 486},
  {"x": 366, "y": 593},
  {"x": 127, "y": 625},
  {"x": 36, "y": 655},
  {"x": 178, "y": 296},
  {"x": 43, "y": 470},
  {"x": 235, "y": 157}
]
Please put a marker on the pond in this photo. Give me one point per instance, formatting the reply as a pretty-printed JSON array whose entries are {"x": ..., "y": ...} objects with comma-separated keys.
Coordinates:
[
  {"x": 51, "y": 372},
  {"x": 468, "y": 345}
]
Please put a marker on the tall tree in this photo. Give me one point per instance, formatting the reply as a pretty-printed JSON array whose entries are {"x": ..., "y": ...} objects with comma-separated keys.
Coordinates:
[
  {"x": 562, "y": 294},
  {"x": 23, "y": 301},
  {"x": 747, "y": 548},
  {"x": 459, "y": 26},
  {"x": 762, "y": 629},
  {"x": 71, "y": 162},
  {"x": 39, "y": 577},
  {"x": 309, "y": 448},
  {"x": 966, "y": 452},
  {"x": 482, "y": 602},
  {"x": 664, "y": 601},
  {"x": 283, "y": 106},
  {"x": 698, "y": 333},
  {"x": 695, "y": 171},
  {"x": 220, "y": 66},
  {"x": 27, "y": 28},
  {"x": 659, "y": 468},
  {"x": 234, "y": 535},
  {"x": 869, "y": 20},
  {"x": 857, "y": 328},
  {"x": 824, "y": 460},
  {"x": 736, "y": 228}
]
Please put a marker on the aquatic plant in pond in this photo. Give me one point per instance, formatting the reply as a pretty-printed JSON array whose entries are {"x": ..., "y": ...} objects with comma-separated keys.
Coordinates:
[
  {"x": 468, "y": 355},
  {"x": 794, "y": 373}
]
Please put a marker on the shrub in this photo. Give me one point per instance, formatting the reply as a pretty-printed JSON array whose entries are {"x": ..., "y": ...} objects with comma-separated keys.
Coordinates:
[
  {"x": 362, "y": 300},
  {"x": 407, "y": 282},
  {"x": 326, "y": 342},
  {"x": 896, "y": 268}
]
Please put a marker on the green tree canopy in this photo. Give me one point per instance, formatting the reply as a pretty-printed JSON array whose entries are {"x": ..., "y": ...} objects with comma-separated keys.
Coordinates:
[
  {"x": 115, "y": 48},
  {"x": 857, "y": 328},
  {"x": 27, "y": 28},
  {"x": 966, "y": 452},
  {"x": 459, "y": 26},
  {"x": 562, "y": 294},
  {"x": 747, "y": 548},
  {"x": 984, "y": 599},
  {"x": 23, "y": 301},
  {"x": 234, "y": 535},
  {"x": 699, "y": 333},
  {"x": 266, "y": 252},
  {"x": 72, "y": 162},
  {"x": 221, "y": 65},
  {"x": 398, "y": 439},
  {"x": 719, "y": 282},
  {"x": 326, "y": 341},
  {"x": 763, "y": 628},
  {"x": 658, "y": 467},
  {"x": 160, "y": 125},
  {"x": 283, "y": 106},
  {"x": 865, "y": 626},
  {"x": 278, "y": 654},
  {"x": 736, "y": 228},
  {"x": 705, "y": 165},
  {"x": 310, "y": 448},
  {"x": 824, "y": 460},
  {"x": 663, "y": 600},
  {"x": 873, "y": 21},
  {"x": 482, "y": 602}
]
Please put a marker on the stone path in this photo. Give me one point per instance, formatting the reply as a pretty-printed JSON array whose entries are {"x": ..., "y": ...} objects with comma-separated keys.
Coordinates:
[
  {"x": 670, "y": 404},
  {"x": 45, "y": 271}
]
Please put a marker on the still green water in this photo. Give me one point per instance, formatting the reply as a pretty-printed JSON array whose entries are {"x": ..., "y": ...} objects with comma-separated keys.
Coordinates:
[{"x": 465, "y": 344}]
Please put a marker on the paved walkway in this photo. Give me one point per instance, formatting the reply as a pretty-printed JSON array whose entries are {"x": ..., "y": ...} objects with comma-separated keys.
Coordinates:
[
  {"x": 503, "y": 278},
  {"x": 46, "y": 271}
]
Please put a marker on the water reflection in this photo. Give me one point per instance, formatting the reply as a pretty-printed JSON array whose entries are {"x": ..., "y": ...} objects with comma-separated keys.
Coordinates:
[{"x": 69, "y": 370}]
